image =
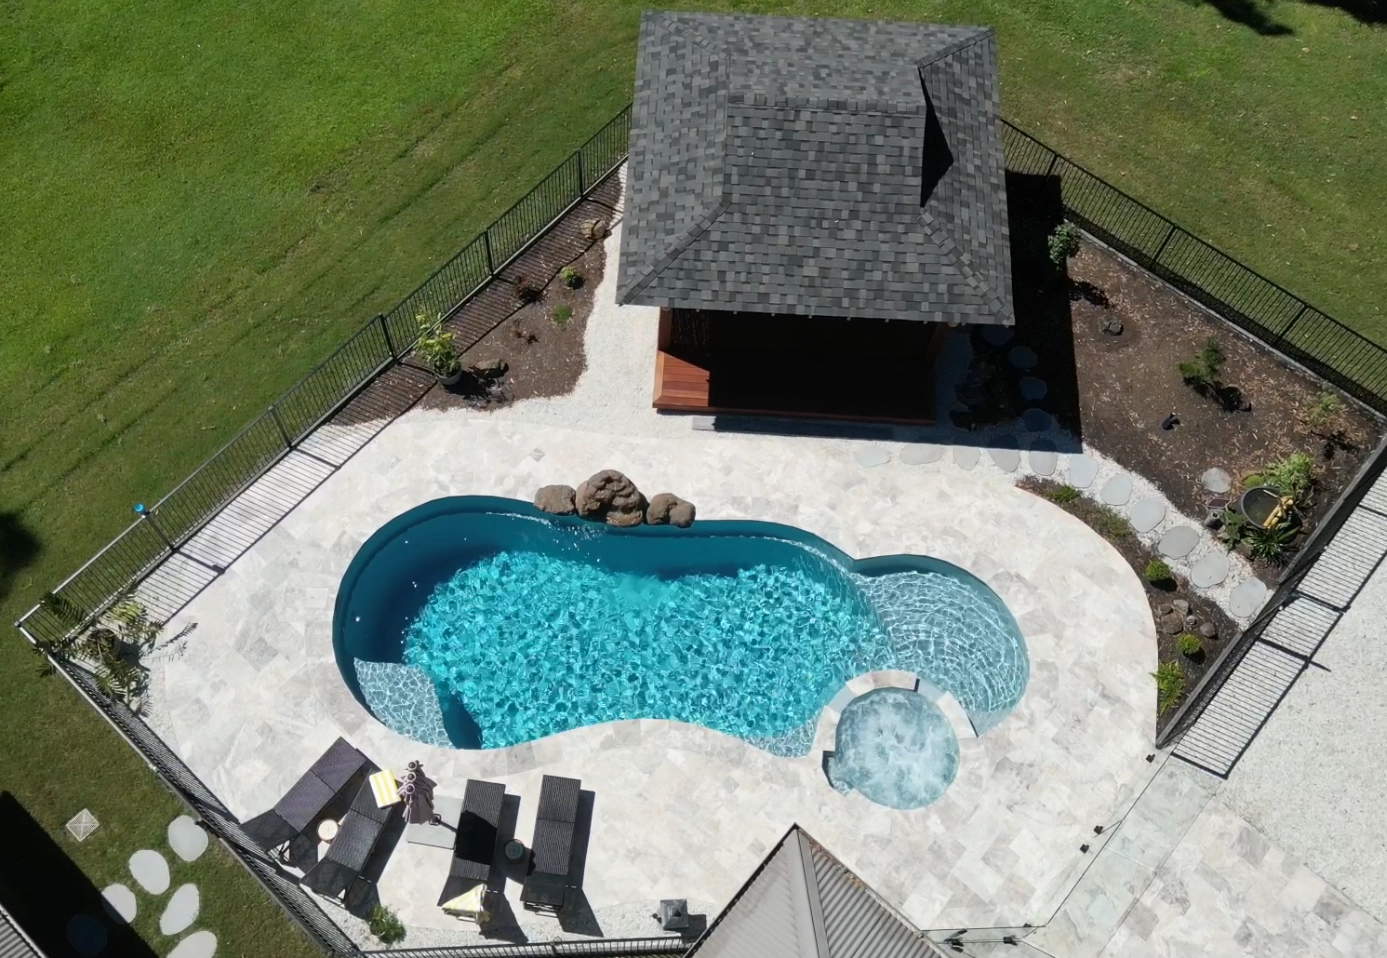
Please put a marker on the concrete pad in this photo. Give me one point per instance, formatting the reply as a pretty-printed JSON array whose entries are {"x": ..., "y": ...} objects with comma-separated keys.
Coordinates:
[
  {"x": 150, "y": 870},
  {"x": 965, "y": 457},
  {"x": 120, "y": 903},
  {"x": 917, "y": 454},
  {"x": 1023, "y": 357},
  {"x": 187, "y": 839},
  {"x": 1210, "y": 570},
  {"x": 1117, "y": 490},
  {"x": 1178, "y": 542},
  {"x": 1146, "y": 514},
  {"x": 181, "y": 910},
  {"x": 1033, "y": 389},
  {"x": 1247, "y": 597},
  {"x": 200, "y": 944},
  {"x": 1082, "y": 471},
  {"x": 87, "y": 935},
  {"x": 1037, "y": 420},
  {"x": 871, "y": 456}
]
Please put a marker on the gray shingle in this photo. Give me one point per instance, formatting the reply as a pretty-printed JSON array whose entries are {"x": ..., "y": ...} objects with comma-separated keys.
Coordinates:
[{"x": 782, "y": 164}]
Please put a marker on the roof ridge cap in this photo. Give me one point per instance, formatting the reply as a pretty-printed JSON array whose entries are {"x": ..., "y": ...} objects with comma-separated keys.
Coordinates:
[
  {"x": 982, "y": 34},
  {"x": 669, "y": 21}
]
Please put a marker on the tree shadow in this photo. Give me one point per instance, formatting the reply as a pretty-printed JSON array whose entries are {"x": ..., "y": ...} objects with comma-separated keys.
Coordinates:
[
  {"x": 1256, "y": 15},
  {"x": 19, "y": 547}
]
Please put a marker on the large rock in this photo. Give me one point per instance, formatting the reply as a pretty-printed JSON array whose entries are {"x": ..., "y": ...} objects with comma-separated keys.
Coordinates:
[
  {"x": 611, "y": 496},
  {"x": 556, "y": 500},
  {"x": 668, "y": 509}
]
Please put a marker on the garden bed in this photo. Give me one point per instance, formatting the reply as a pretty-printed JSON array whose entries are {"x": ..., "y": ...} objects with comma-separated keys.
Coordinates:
[{"x": 1171, "y": 599}]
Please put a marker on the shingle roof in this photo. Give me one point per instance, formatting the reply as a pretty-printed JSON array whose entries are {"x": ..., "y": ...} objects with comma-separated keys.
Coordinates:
[
  {"x": 804, "y": 903},
  {"x": 831, "y": 167}
]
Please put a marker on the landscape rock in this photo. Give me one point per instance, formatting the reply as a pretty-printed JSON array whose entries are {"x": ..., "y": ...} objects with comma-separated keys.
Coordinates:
[
  {"x": 1208, "y": 630},
  {"x": 1181, "y": 606},
  {"x": 1165, "y": 608},
  {"x": 491, "y": 369},
  {"x": 595, "y": 229},
  {"x": 556, "y": 500},
  {"x": 1191, "y": 623},
  {"x": 611, "y": 496},
  {"x": 1216, "y": 480},
  {"x": 1172, "y": 624},
  {"x": 668, "y": 509},
  {"x": 1113, "y": 327}
]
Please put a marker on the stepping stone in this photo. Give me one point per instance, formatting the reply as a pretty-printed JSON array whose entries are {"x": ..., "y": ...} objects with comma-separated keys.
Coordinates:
[
  {"x": 1036, "y": 420},
  {"x": 1082, "y": 471},
  {"x": 872, "y": 456},
  {"x": 1178, "y": 542},
  {"x": 200, "y": 944},
  {"x": 181, "y": 910},
  {"x": 150, "y": 870},
  {"x": 1210, "y": 570},
  {"x": 917, "y": 454},
  {"x": 120, "y": 903},
  {"x": 997, "y": 335},
  {"x": 1023, "y": 357},
  {"x": 966, "y": 457},
  {"x": 1216, "y": 480},
  {"x": 1043, "y": 457},
  {"x": 187, "y": 840},
  {"x": 1247, "y": 597},
  {"x": 1117, "y": 490},
  {"x": 86, "y": 935},
  {"x": 1147, "y": 514},
  {"x": 1032, "y": 389},
  {"x": 1005, "y": 454}
]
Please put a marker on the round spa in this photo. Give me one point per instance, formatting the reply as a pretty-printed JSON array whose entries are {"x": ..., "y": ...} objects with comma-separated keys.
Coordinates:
[{"x": 480, "y": 622}]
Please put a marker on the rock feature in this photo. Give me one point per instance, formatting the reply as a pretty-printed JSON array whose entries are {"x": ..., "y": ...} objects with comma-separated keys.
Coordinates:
[
  {"x": 120, "y": 903},
  {"x": 1112, "y": 326},
  {"x": 1208, "y": 630},
  {"x": 181, "y": 910},
  {"x": 1172, "y": 624},
  {"x": 610, "y": 496},
  {"x": 1216, "y": 480},
  {"x": 556, "y": 500},
  {"x": 149, "y": 869},
  {"x": 1181, "y": 606},
  {"x": 1147, "y": 514},
  {"x": 595, "y": 229},
  {"x": 187, "y": 838},
  {"x": 668, "y": 509}
]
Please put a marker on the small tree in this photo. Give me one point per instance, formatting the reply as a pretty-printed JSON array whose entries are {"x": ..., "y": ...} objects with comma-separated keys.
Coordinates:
[
  {"x": 1170, "y": 685},
  {"x": 1203, "y": 372},
  {"x": 1064, "y": 244},
  {"x": 386, "y": 925},
  {"x": 436, "y": 347}
]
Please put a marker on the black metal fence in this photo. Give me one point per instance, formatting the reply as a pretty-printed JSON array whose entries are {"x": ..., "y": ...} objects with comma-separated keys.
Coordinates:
[
  {"x": 1279, "y": 318},
  {"x": 627, "y": 947}
]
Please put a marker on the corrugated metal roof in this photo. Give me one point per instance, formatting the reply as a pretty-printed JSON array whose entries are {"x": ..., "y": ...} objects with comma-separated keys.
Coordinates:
[
  {"x": 858, "y": 923},
  {"x": 13, "y": 942},
  {"x": 771, "y": 916}
]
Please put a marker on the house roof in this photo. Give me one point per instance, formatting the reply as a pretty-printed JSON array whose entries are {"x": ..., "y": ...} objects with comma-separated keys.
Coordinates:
[
  {"x": 804, "y": 903},
  {"x": 14, "y": 943},
  {"x": 829, "y": 167}
]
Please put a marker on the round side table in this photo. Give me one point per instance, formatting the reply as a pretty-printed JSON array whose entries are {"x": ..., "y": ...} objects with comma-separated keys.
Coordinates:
[
  {"x": 327, "y": 830},
  {"x": 514, "y": 851}
]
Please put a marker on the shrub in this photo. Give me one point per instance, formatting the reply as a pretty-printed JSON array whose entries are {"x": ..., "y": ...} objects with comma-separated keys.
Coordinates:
[
  {"x": 1190, "y": 645},
  {"x": 1064, "y": 244},
  {"x": 436, "y": 347},
  {"x": 1112, "y": 526},
  {"x": 1325, "y": 407},
  {"x": 562, "y": 315},
  {"x": 1292, "y": 475},
  {"x": 1062, "y": 495},
  {"x": 570, "y": 277},
  {"x": 527, "y": 290},
  {"x": 1203, "y": 372},
  {"x": 1157, "y": 572},
  {"x": 1170, "y": 685},
  {"x": 1235, "y": 526},
  {"x": 1272, "y": 546},
  {"x": 386, "y": 925}
]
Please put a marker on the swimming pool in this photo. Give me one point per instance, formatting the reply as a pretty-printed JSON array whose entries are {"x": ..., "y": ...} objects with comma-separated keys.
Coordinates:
[{"x": 522, "y": 625}]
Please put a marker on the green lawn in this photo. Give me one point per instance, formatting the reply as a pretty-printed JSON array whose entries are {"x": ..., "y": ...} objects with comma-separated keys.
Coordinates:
[{"x": 201, "y": 199}]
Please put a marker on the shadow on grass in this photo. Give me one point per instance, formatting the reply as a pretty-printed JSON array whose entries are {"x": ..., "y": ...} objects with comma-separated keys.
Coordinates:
[
  {"x": 44, "y": 891},
  {"x": 19, "y": 547},
  {"x": 1257, "y": 16}
]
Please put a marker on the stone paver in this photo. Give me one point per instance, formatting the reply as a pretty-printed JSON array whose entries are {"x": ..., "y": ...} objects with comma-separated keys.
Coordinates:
[
  {"x": 187, "y": 839},
  {"x": 1210, "y": 570},
  {"x": 1082, "y": 471},
  {"x": 1043, "y": 457},
  {"x": 1247, "y": 597},
  {"x": 1037, "y": 420},
  {"x": 1216, "y": 480},
  {"x": 871, "y": 456},
  {"x": 1005, "y": 454},
  {"x": 965, "y": 457},
  {"x": 919, "y": 453},
  {"x": 1146, "y": 514},
  {"x": 1033, "y": 389},
  {"x": 181, "y": 910},
  {"x": 1023, "y": 357},
  {"x": 87, "y": 935},
  {"x": 1178, "y": 542},
  {"x": 200, "y": 944},
  {"x": 1117, "y": 490},
  {"x": 150, "y": 870},
  {"x": 120, "y": 902},
  {"x": 998, "y": 335}
]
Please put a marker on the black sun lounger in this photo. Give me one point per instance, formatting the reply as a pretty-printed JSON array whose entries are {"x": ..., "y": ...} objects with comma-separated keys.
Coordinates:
[
  {"x": 546, "y": 887},
  {"x": 361, "y": 829},
  {"x": 305, "y": 803},
  {"x": 475, "y": 845}
]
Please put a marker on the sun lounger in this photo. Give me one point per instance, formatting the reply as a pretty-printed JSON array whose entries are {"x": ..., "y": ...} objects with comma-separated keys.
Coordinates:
[
  {"x": 361, "y": 829},
  {"x": 305, "y": 803},
  {"x": 477, "y": 834},
  {"x": 546, "y": 887}
]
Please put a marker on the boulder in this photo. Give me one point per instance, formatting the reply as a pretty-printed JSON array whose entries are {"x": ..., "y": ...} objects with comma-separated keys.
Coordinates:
[
  {"x": 1172, "y": 624},
  {"x": 556, "y": 500},
  {"x": 1191, "y": 623},
  {"x": 491, "y": 369},
  {"x": 1208, "y": 630},
  {"x": 611, "y": 496},
  {"x": 668, "y": 509},
  {"x": 1181, "y": 606}
]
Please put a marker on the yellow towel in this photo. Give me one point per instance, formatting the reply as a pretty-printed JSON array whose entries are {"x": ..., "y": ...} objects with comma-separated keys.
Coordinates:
[{"x": 385, "y": 789}]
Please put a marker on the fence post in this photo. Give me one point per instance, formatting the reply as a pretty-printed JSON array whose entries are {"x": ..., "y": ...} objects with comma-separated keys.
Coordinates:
[
  {"x": 385, "y": 328},
  {"x": 582, "y": 184},
  {"x": 1170, "y": 235},
  {"x": 486, "y": 241},
  {"x": 284, "y": 433},
  {"x": 1304, "y": 308},
  {"x": 1054, "y": 161}
]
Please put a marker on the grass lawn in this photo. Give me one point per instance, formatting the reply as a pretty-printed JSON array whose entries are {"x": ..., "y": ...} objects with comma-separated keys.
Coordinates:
[{"x": 201, "y": 199}]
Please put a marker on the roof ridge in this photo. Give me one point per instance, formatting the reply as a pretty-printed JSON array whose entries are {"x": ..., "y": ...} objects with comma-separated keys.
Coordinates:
[
  {"x": 981, "y": 34},
  {"x": 676, "y": 249},
  {"x": 945, "y": 241},
  {"x": 670, "y": 22}
]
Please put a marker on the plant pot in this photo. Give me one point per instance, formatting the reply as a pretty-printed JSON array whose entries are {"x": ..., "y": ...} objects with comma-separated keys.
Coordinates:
[{"x": 452, "y": 379}]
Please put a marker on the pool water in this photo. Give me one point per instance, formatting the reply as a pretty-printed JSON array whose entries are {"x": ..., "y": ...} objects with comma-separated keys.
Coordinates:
[
  {"x": 527, "y": 625},
  {"x": 894, "y": 747}
]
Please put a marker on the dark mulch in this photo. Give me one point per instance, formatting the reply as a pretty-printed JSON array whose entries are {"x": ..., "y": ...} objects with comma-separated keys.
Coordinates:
[
  {"x": 542, "y": 356},
  {"x": 1119, "y": 533}
]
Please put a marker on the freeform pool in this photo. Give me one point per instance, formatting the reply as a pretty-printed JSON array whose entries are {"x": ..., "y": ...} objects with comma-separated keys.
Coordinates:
[{"x": 526, "y": 625}]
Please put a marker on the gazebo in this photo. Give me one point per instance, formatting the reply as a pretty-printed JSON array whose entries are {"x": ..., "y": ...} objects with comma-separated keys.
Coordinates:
[{"x": 813, "y": 205}]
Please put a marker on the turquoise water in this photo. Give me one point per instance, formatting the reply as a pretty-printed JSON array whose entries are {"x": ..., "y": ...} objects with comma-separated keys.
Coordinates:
[
  {"x": 894, "y": 747},
  {"x": 528, "y": 626}
]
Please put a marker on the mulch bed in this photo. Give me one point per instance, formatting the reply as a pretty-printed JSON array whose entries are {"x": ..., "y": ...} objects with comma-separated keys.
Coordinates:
[
  {"x": 1114, "y": 528},
  {"x": 541, "y": 356}
]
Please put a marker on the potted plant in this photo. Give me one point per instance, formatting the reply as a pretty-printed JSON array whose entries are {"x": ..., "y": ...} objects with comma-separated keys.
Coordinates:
[{"x": 436, "y": 348}]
